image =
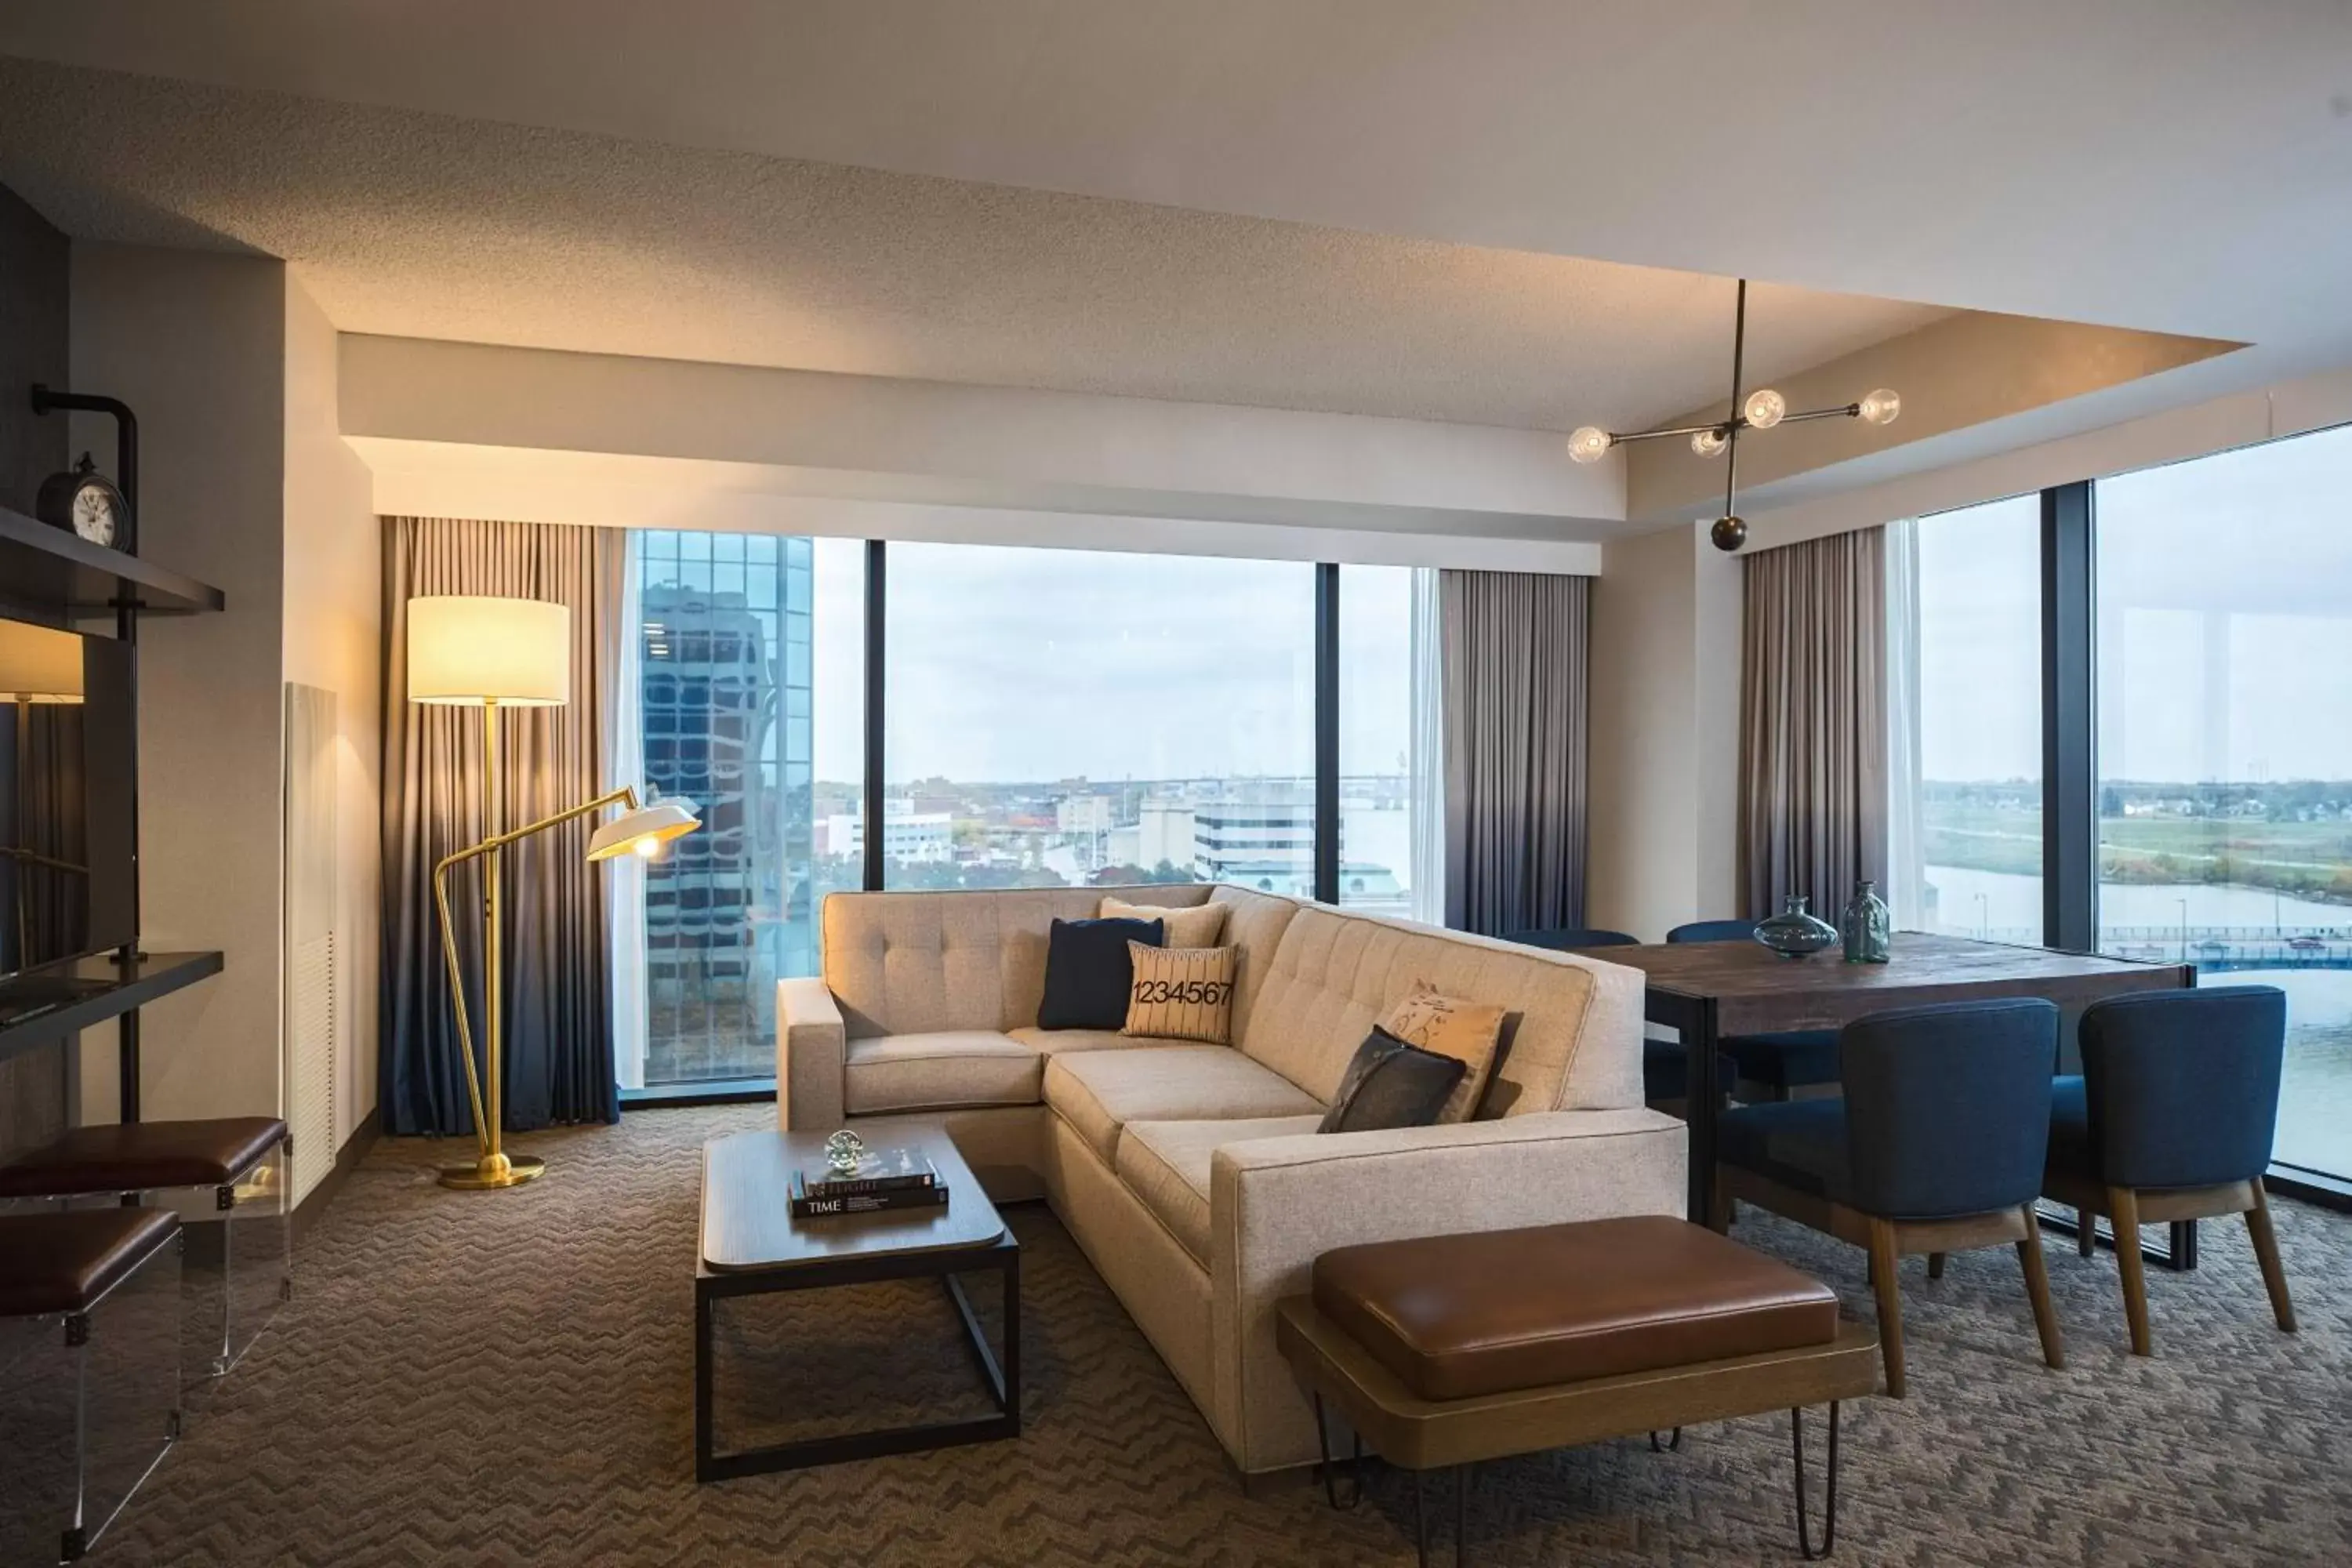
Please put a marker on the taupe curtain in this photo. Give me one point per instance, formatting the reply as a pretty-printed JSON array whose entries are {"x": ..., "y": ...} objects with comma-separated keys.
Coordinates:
[
  {"x": 1813, "y": 722},
  {"x": 558, "y": 1015},
  {"x": 1513, "y": 647}
]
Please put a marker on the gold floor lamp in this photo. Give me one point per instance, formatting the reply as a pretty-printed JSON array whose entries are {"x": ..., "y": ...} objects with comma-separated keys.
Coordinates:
[{"x": 472, "y": 651}]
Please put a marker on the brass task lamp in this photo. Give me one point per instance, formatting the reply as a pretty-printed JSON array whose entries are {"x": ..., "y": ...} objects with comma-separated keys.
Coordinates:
[{"x": 471, "y": 651}]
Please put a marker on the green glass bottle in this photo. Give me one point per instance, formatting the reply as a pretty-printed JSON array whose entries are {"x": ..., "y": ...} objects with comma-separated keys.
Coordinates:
[{"x": 1866, "y": 926}]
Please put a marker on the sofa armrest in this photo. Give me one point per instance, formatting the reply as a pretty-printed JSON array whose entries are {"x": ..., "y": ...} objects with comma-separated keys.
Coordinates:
[
  {"x": 812, "y": 1057},
  {"x": 1278, "y": 1204}
]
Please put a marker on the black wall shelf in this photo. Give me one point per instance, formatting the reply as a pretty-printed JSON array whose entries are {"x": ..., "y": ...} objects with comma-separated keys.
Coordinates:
[
  {"x": 93, "y": 990},
  {"x": 52, "y": 569}
]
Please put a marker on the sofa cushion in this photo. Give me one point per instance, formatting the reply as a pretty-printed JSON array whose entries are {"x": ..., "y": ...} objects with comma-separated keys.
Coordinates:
[
  {"x": 1166, "y": 1165},
  {"x": 1054, "y": 1042},
  {"x": 934, "y": 1072},
  {"x": 1393, "y": 1084},
  {"x": 1255, "y": 923},
  {"x": 1097, "y": 1092},
  {"x": 1335, "y": 974},
  {"x": 916, "y": 963}
]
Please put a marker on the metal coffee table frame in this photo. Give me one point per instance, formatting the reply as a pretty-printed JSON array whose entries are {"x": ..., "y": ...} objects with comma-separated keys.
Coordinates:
[
  {"x": 1000, "y": 1375},
  {"x": 752, "y": 1247}
]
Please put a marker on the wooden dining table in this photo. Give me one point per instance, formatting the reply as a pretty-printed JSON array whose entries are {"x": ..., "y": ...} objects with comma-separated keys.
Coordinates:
[{"x": 1708, "y": 990}]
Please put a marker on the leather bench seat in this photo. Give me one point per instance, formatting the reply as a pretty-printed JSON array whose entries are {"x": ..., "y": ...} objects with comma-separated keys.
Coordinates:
[
  {"x": 138, "y": 1156},
  {"x": 65, "y": 1262},
  {"x": 1457, "y": 1316}
]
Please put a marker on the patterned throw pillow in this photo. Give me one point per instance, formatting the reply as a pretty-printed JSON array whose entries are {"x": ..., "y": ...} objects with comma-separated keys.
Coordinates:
[
  {"x": 1181, "y": 993},
  {"x": 1470, "y": 1032},
  {"x": 1199, "y": 926}
]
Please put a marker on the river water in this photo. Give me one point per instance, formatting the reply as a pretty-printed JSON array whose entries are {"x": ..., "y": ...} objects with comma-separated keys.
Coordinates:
[{"x": 2314, "y": 1126}]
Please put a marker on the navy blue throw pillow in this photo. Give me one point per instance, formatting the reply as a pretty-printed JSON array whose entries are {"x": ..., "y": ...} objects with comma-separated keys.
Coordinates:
[
  {"x": 1391, "y": 1084},
  {"x": 1088, "y": 971}
]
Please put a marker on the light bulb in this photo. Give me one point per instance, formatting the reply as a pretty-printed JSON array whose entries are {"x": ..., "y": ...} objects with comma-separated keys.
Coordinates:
[
  {"x": 645, "y": 849},
  {"x": 1709, "y": 443},
  {"x": 1880, "y": 407},
  {"x": 1765, "y": 407},
  {"x": 1589, "y": 445}
]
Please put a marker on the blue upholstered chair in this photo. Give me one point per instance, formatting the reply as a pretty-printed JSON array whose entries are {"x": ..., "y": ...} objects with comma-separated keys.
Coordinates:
[
  {"x": 1783, "y": 1062},
  {"x": 2172, "y": 1120},
  {"x": 1937, "y": 1147}
]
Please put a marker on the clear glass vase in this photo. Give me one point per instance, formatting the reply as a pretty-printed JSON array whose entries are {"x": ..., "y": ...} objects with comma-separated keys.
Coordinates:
[{"x": 1793, "y": 933}]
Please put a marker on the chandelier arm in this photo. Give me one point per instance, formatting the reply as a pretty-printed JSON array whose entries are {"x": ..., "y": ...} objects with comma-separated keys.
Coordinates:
[
  {"x": 1719, "y": 426},
  {"x": 1843, "y": 411}
]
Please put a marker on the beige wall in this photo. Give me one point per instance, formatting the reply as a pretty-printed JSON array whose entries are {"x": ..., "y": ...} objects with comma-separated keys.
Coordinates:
[
  {"x": 333, "y": 632},
  {"x": 1664, "y": 732},
  {"x": 195, "y": 342}
]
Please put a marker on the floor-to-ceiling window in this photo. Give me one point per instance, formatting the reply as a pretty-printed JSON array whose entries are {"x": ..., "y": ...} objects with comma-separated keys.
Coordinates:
[
  {"x": 1377, "y": 632},
  {"x": 748, "y": 669},
  {"x": 1064, "y": 717},
  {"x": 2224, "y": 745},
  {"x": 1968, "y": 773}
]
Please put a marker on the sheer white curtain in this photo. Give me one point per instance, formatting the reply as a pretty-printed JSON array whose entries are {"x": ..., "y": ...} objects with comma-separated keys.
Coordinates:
[
  {"x": 1426, "y": 753},
  {"x": 1907, "y": 861},
  {"x": 624, "y": 903}
]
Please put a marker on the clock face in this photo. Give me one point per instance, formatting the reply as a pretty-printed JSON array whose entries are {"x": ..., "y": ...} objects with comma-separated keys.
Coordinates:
[{"x": 93, "y": 514}]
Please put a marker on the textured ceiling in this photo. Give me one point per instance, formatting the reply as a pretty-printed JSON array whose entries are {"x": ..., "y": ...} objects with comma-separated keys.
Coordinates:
[{"x": 423, "y": 224}]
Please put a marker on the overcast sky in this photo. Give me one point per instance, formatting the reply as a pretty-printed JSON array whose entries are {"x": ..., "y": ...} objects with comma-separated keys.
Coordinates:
[
  {"x": 2225, "y": 608},
  {"x": 1016, "y": 665}
]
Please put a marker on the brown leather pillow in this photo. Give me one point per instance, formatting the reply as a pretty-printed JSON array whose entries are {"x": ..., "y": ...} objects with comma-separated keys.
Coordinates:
[{"x": 1470, "y": 1032}]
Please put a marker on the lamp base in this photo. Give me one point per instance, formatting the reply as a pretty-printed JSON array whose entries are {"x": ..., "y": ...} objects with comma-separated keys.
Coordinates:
[{"x": 492, "y": 1172}]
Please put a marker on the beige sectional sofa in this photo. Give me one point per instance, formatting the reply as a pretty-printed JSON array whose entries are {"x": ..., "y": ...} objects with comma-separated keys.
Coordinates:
[{"x": 1191, "y": 1174}]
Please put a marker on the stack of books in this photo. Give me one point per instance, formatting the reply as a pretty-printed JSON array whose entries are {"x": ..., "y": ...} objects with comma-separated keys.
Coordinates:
[{"x": 885, "y": 1179}]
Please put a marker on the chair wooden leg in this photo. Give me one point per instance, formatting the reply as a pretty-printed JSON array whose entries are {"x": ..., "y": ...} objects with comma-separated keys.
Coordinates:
[
  {"x": 1934, "y": 1265},
  {"x": 2086, "y": 1232},
  {"x": 2037, "y": 1290},
  {"x": 1719, "y": 1212},
  {"x": 1886, "y": 1281},
  {"x": 2123, "y": 1204},
  {"x": 2266, "y": 1253}
]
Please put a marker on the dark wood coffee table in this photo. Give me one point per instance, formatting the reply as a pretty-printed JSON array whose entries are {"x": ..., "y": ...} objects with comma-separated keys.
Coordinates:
[{"x": 752, "y": 1246}]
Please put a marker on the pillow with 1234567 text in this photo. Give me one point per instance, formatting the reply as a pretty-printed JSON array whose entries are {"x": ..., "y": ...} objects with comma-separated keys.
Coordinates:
[{"x": 1181, "y": 993}]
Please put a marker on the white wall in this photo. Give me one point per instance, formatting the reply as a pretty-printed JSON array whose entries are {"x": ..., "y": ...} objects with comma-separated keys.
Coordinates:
[
  {"x": 2286, "y": 408},
  {"x": 333, "y": 640},
  {"x": 867, "y": 437},
  {"x": 195, "y": 342},
  {"x": 1663, "y": 733}
]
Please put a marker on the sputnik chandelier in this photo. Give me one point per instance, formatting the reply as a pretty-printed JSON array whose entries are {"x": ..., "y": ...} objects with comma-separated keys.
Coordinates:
[{"x": 1764, "y": 409}]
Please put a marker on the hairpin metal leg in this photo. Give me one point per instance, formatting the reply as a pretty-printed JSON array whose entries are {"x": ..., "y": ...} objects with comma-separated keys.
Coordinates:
[
  {"x": 1829, "y": 1501},
  {"x": 1462, "y": 1479},
  {"x": 1421, "y": 1517},
  {"x": 1355, "y": 1464},
  {"x": 1673, "y": 1445}
]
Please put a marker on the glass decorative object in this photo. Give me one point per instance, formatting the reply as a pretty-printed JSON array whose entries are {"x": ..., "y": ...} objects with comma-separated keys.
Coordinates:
[
  {"x": 844, "y": 1152},
  {"x": 1793, "y": 933},
  {"x": 1864, "y": 926}
]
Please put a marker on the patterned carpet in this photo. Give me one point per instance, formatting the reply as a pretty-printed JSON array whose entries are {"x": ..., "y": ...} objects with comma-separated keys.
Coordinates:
[{"x": 505, "y": 1379}]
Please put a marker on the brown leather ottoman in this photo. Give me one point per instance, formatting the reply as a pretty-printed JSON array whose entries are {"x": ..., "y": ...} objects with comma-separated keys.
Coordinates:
[{"x": 1448, "y": 1350}]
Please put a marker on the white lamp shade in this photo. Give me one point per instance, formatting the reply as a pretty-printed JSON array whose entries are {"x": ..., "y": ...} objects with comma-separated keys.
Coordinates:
[
  {"x": 467, "y": 650},
  {"x": 37, "y": 665},
  {"x": 644, "y": 830}
]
